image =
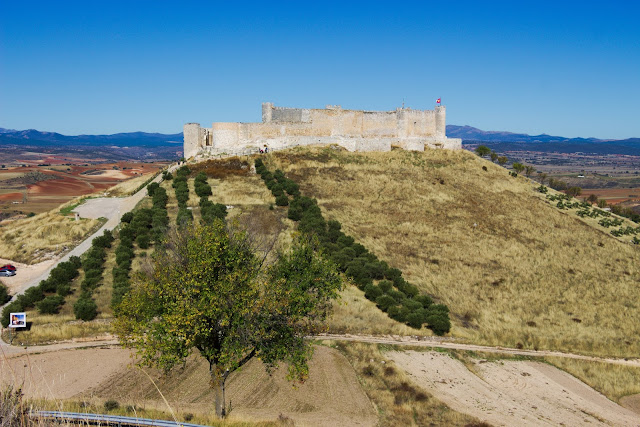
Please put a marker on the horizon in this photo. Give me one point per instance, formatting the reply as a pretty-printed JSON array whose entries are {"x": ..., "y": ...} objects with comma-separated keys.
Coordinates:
[
  {"x": 180, "y": 132},
  {"x": 543, "y": 68}
]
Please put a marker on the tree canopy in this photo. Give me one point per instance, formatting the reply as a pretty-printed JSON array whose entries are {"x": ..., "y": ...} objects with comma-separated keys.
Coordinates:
[
  {"x": 483, "y": 150},
  {"x": 208, "y": 291}
]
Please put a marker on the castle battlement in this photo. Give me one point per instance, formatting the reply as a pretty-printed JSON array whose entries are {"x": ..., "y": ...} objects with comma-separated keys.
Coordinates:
[{"x": 355, "y": 130}]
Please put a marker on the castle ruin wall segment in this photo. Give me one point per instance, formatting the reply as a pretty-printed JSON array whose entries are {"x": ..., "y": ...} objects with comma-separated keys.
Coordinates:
[{"x": 355, "y": 130}]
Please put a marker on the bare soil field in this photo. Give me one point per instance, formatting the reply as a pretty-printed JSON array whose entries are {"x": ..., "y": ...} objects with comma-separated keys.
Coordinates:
[
  {"x": 512, "y": 392},
  {"x": 614, "y": 195},
  {"x": 57, "y": 184},
  {"x": 332, "y": 395}
]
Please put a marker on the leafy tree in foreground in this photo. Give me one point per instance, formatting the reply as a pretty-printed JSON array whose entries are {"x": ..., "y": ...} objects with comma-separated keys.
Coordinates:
[{"x": 208, "y": 291}]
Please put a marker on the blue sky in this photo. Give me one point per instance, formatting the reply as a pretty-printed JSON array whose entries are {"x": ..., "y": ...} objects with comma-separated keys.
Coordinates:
[{"x": 563, "y": 68}]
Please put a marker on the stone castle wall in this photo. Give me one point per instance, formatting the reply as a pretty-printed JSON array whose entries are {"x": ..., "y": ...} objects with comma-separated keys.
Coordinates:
[{"x": 354, "y": 130}]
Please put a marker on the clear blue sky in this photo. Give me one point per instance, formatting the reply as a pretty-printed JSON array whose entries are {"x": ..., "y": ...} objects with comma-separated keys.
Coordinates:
[{"x": 563, "y": 68}]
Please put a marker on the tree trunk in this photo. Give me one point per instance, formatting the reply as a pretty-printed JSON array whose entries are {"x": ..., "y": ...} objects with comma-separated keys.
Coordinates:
[{"x": 217, "y": 383}]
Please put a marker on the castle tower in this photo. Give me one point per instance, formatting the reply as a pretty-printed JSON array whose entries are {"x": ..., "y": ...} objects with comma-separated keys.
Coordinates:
[
  {"x": 191, "y": 134},
  {"x": 441, "y": 124},
  {"x": 267, "y": 110}
]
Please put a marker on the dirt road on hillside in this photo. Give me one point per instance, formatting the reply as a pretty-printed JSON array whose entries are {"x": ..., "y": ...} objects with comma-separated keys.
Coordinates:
[
  {"x": 509, "y": 393},
  {"x": 436, "y": 342}
]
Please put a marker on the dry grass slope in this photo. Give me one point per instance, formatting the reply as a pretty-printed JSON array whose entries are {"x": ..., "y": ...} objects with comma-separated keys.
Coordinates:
[
  {"x": 44, "y": 236},
  {"x": 514, "y": 270}
]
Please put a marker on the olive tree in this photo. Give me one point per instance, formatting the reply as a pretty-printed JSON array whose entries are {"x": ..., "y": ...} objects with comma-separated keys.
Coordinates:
[
  {"x": 208, "y": 291},
  {"x": 483, "y": 150}
]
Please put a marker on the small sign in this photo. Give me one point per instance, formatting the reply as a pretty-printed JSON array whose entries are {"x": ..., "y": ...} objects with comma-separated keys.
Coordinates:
[{"x": 17, "y": 320}]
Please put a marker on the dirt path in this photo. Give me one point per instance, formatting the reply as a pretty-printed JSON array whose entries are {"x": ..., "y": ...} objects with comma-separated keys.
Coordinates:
[
  {"x": 436, "y": 342},
  {"x": 510, "y": 393}
]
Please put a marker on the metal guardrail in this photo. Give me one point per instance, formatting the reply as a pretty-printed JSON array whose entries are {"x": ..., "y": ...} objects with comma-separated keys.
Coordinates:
[{"x": 106, "y": 420}]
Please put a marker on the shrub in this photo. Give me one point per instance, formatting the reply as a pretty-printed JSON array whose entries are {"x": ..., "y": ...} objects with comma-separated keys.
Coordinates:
[
  {"x": 151, "y": 188},
  {"x": 4, "y": 294},
  {"x": 166, "y": 175},
  {"x": 126, "y": 218},
  {"x": 385, "y": 285},
  {"x": 31, "y": 296},
  {"x": 50, "y": 304},
  {"x": 384, "y": 302},
  {"x": 85, "y": 308},
  {"x": 143, "y": 240},
  {"x": 372, "y": 292},
  {"x": 439, "y": 323},
  {"x": 282, "y": 200},
  {"x": 13, "y": 307},
  {"x": 111, "y": 405},
  {"x": 425, "y": 300},
  {"x": 415, "y": 319}
]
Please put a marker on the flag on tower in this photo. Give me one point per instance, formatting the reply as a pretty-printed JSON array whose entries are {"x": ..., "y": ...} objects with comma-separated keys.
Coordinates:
[{"x": 438, "y": 101}]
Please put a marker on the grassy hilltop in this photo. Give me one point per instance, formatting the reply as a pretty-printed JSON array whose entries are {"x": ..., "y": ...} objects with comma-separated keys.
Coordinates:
[{"x": 514, "y": 270}]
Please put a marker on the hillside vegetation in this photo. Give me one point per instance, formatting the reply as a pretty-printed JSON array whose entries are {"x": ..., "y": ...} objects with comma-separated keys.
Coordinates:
[{"x": 514, "y": 270}]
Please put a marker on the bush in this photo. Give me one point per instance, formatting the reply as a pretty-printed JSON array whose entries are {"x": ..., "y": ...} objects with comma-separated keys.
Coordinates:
[
  {"x": 151, "y": 188},
  {"x": 425, "y": 300},
  {"x": 111, "y": 405},
  {"x": 143, "y": 241},
  {"x": 50, "y": 305},
  {"x": 166, "y": 175},
  {"x": 439, "y": 323},
  {"x": 415, "y": 319},
  {"x": 384, "y": 302},
  {"x": 126, "y": 218},
  {"x": 4, "y": 294},
  {"x": 282, "y": 200},
  {"x": 13, "y": 307},
  {"x": 31, "y": 296},
  {"x": 372, "y": 292},
  {"x": 85, "y": 308},
  {"x": 385, "y": 285}
]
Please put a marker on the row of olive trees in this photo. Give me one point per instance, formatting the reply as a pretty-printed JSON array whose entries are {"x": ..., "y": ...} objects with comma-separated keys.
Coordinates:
[
  {"x": 383, "y": 285},
  {"x": 209, "y": 291}
]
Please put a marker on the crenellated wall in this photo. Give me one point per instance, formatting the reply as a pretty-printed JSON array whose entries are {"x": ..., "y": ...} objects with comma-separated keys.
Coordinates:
[{"x": 355, "y": 130}]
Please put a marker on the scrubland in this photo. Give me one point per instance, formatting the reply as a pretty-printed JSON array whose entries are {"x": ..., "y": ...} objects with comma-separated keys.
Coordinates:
[{"x": 514, "y": 270}]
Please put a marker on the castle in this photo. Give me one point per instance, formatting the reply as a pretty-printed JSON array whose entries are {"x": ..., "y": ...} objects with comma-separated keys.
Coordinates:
[{"x": 354, "y": 130}]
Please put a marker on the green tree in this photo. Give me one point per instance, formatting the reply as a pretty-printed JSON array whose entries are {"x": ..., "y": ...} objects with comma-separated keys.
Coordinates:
[
  {"x": 543, "y": 177},
  {"x": 483, "y": 150},
  {"x": 518, "y": 167},
  {"x": 574, "y": 191},
  {"x": 494, "y": 156},
  {"x": 502, "y": 160},
  {"x": 209, "y": 291},
  {"x": 528, "y": 170},
  {"x": 592, "y": 198}
]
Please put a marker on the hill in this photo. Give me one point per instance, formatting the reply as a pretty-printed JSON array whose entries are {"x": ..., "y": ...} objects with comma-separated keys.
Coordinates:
[
  {"x": 514, "y": 270},
  {"x": 116, "y": 147},
  {"x": 501, "y": 141}
]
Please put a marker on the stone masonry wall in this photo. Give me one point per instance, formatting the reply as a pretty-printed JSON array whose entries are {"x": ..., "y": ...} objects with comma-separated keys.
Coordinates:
[{"x": 353, "y": 129}]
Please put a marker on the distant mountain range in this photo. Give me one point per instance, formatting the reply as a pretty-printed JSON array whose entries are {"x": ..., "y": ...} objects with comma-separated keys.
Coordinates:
[
  {"x": 507, "y": 141},
  {"x": 137, "y": 139},
  {"x": 169, "y": 144}
]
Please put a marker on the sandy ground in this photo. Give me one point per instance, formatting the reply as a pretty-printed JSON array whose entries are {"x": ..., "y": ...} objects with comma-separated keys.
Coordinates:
[
  {"x": 25, "y": 273},
  {"x": 511, "y": 393},
  {"x": 332, "y": 395},
  {"x": 631, "y": 402}
]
